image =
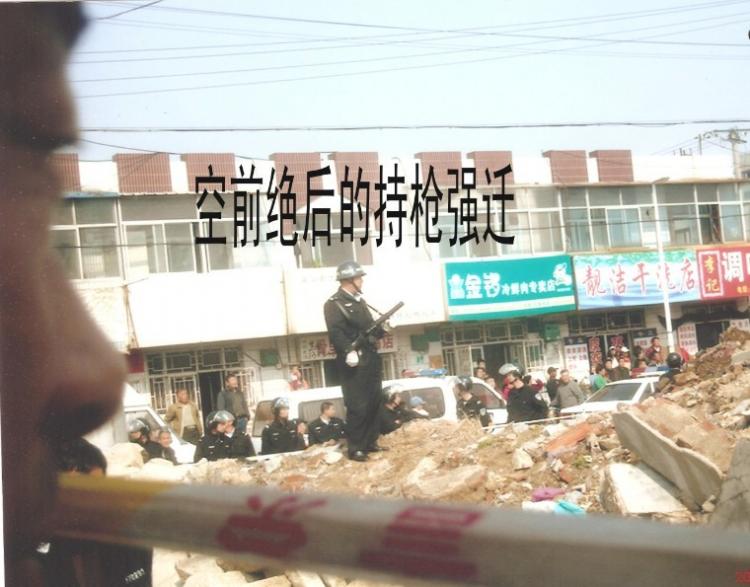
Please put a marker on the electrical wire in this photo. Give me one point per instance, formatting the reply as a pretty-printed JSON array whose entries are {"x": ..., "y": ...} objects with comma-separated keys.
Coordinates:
[
  {"x": 457, "y": 126},
  {"x": 139, "y": 7},
  {"x": 568, "y": 22}
]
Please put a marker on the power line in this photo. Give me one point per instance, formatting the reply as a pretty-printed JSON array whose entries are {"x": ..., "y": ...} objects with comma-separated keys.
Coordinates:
[
  {"x": 82, "y": 140},
  {"x": 146, "y": 5},
  {"x": 544, "y": 38},
  {"x": 568, "y": 22},
  {"x": 457, "y": 126},
  {"x": 398, "y": 58},
  {"x": 381, "y": 26},
  {"x": 348, "y": 74}
]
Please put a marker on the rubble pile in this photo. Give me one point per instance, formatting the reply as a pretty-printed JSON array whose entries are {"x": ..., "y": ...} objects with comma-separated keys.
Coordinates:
[{"x": 671, "y": 458}]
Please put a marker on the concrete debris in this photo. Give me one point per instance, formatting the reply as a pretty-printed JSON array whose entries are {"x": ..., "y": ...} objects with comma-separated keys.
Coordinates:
[
  {"x": 733, "y": 506},
  {"x": 123, "y": 459},
  {"x": 277, "y": 581},
  {"x": 197, "y": 563},
  {"x": 427, "y": 482},
  {"x": 207, "y": 579},
  {"x": 304, "y": 579},
  {"x": 666, "y": 459},
  {"x": 522, "y": 459},
  {"x": 636, "y": 490},
  {"x": 693, "y": 473},
  {"x": 332, "y": 457}
]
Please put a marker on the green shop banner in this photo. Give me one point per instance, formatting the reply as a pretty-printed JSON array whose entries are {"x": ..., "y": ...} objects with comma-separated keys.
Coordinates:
[{"x": 505, "y": 288}]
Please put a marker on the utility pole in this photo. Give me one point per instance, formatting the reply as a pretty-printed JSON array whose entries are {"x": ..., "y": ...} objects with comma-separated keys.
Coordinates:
[{"x": 662, "y": 267}]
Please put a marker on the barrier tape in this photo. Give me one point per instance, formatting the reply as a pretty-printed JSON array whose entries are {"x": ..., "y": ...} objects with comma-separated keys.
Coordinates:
[{"x": 397, "y": 539}]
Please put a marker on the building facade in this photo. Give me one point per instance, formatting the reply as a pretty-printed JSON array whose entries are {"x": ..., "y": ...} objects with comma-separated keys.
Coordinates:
[{"x": 581, "y": 274}]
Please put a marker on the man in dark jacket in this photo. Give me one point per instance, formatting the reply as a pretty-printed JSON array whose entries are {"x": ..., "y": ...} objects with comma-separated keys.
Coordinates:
[
  {"x": 233, "y": 400},
  {"x": 347, "y": 318},
  {"x": 622, "y": 371},
  {"x": 281, "y": 435},
  {"x": 392, "y": 413},
  {"x": 140, "y": 434},
  {"x": 327, "y": 429},
  {"x": 468, "y": 406},
  {"x": 523, "y": 403},
  {"x": 552, "y": 383},
  {"x": 239, "y": 445},
  {"x": 213, "y": 445}
]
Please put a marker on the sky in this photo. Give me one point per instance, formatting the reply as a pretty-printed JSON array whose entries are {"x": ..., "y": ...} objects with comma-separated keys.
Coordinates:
[{"x": 409, "y": 63}]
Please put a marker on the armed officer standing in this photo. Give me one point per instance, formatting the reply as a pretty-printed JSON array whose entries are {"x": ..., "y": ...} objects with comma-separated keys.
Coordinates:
[{"x": 348, "y": 319}]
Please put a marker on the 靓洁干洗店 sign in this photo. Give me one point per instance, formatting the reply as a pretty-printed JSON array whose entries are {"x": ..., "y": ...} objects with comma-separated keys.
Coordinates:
[
  {"x": 514, "y": 287},
  {"x": 724, "y": 272},
  {"x": 635, "y": 279}
]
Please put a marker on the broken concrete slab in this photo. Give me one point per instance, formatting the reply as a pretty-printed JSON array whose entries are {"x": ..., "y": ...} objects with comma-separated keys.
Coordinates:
[
  {"x": 197, "y": 563},
  {"x": 426, "y": 481},
  {"x": 277, "y": 581},
  {"x": 691, "y": 472},
  {"x": 709, "y": 440},
  {"x": 304, "y": 579},
  {"x": 208, "y": 579},
  {"x": 569, "y": 438},
  {"x": 636, "y": 490},
  {"x": 522, "y": 460},
  {"x": 667, "y": 417},
  {"x": 733, "y": 506}
]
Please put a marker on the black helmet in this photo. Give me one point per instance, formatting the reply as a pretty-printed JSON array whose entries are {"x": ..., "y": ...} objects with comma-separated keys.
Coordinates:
[
  {"x": 349, "y": 270},
  {"x": 391, "y": 390},
  {"x": 223, "y": 416},
  {"x": 280, "y": 403},
  {"x": 464, "y": 383},
  {"x": 138, "y": 425},
  {"x": 674, "y": 361}
]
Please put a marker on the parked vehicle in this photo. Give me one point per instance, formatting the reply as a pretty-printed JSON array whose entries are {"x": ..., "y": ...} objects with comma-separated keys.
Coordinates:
[
  {"x": 625, "y": 391},
  {"x": 437, "y": 393},
  {"x": 138, "y": 405}
]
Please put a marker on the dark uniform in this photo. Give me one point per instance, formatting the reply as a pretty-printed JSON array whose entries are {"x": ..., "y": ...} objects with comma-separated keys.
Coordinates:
[
  {"x": 281, "y": 436},
  {"x": 666, "y": 380},
  {"x": 346, "y": 318},
  {"x": 240, "y": 446},
  {"x": 212, "y": 447},
  {"x": 473, "y": 408},
  {"x": 149, "y": 449},
  {"x": 524, "y": 405},
  {"x": 389, "y": 420},
  {"x": 318, "y": 432}
]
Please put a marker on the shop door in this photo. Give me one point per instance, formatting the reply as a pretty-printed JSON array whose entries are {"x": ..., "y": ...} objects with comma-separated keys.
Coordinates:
[
  {"x": 210, "y": 384},
  {"x": 708, "y": 334},
  {"x": 495, "y": 355}
]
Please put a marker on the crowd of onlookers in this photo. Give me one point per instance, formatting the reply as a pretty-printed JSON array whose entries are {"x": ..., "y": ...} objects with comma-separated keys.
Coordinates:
[
  {"x": 562, "y": 391},
  {"x": 528, "y": 398}
]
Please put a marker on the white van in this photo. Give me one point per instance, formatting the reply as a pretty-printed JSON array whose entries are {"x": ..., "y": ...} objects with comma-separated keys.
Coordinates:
[
  {"x": 437, "y": 393},
  {"x": 138, "y": 405}
]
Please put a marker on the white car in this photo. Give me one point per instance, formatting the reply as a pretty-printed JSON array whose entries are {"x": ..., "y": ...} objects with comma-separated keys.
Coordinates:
[
  {"x": 437, "y": 393},
  {"x": 625, "y": 391},
  {"x": 138, "y": 405}
]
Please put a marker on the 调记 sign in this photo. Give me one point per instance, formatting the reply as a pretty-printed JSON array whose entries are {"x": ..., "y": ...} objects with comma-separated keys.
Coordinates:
[
  {"x": 503, "y": 288},
  {"x": 634, "y": 279},
  {"x": 724, "y": 272}
]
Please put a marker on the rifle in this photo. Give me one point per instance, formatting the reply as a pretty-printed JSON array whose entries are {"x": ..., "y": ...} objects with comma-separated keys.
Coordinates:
[{"x": 368, "y": 335}]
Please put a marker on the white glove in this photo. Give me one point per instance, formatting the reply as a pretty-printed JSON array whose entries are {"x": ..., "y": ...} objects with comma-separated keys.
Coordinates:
[{"x": 352, "y": 358}]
